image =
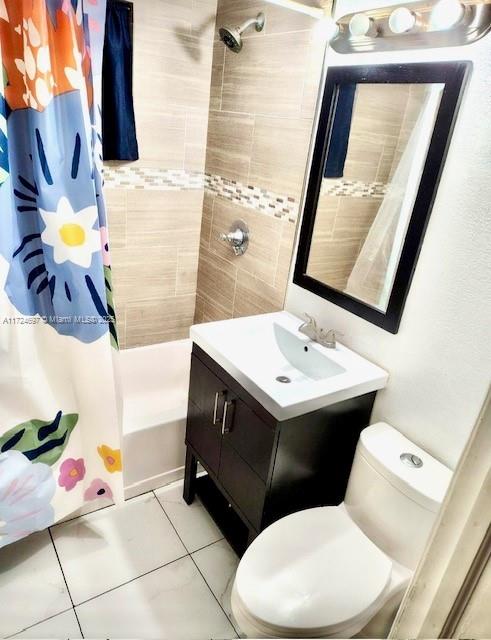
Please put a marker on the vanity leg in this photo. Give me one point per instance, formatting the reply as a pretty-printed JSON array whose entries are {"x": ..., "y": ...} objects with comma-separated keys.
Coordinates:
[{"x": 190, "y": 477}]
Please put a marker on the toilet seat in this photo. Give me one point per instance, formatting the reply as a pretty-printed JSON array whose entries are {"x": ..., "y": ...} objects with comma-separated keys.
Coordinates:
[{"x": 312, "y": 574}]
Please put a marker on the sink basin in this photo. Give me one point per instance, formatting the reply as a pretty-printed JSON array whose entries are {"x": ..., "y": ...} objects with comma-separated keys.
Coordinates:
[
  {"x": 284, "y": 370},
  {"x": 302, "y": 362}
]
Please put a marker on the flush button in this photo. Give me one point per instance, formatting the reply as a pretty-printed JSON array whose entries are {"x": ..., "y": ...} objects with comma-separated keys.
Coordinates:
[{"x": 411, "y": 460}]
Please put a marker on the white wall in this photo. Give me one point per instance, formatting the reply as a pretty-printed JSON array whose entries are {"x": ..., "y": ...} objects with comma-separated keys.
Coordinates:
[{"x": 440, "y": 361}]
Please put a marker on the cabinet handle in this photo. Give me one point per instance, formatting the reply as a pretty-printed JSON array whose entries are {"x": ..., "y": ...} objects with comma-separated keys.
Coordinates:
[
  {"x": 218, "y": 395},
  {"x": 226, "y": 407}
]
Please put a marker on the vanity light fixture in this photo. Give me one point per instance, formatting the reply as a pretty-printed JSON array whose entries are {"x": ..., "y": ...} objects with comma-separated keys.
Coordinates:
[
  {"x": 362, "y": 25},
  {"x": 423, "y": 24},
  {"x": 446, "y": 14},
  {"x": 402, "y": 20}
]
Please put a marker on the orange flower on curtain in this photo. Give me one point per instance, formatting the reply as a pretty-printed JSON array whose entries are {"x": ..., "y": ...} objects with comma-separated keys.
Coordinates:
[{"x": 44, "y": 55}]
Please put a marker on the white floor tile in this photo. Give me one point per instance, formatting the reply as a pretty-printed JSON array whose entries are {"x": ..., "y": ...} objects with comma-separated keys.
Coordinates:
[
  {"x": 218, "y": 564},
  {"x": 193, "y": 523},
  {"x": 64, "y": 625},
  {"x": 107, "y": 548},
  {"x": 31, "y": 584},
  {"x": 171, "y": 603}
]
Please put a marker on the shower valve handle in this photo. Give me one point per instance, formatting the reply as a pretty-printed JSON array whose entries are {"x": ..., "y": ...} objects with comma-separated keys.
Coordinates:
[
  {"x": 234, "y": 237},
  {"x": 237, "y": 237}
]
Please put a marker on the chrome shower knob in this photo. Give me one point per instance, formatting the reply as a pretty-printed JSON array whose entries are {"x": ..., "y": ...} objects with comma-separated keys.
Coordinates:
[{"x": 237, "y": 237}]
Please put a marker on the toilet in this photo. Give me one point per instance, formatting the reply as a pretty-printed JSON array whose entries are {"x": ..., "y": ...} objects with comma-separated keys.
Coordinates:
[{"x": 331, "y": 572}]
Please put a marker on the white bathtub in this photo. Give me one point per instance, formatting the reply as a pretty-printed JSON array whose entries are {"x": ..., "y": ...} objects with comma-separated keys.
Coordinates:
[{"x": 155, "y": 381}]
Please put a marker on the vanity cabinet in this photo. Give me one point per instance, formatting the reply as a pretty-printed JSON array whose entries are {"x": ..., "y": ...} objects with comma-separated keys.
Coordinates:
[{"x": 265, "y": 468}]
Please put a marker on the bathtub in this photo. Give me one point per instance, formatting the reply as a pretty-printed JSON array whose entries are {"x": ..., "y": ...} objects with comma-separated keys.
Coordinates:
[{"x": 155, "y": 381}]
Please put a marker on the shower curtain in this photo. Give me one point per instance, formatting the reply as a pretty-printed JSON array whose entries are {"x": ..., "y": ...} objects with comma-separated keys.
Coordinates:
[
  {"x": 59, "y": 408},
  {"x": 373, "y": 274}
]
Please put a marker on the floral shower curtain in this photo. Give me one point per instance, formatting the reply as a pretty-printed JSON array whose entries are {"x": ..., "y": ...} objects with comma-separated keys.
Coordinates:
[{"x": 59, "y": 411}]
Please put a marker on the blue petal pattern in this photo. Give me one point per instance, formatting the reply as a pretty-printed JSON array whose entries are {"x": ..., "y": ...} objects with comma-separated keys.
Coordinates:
[{"x": 51, "y": 162}]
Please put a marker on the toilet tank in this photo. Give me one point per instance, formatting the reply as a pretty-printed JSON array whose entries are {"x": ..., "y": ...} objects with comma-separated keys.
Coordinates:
[{"x": 394, "y": 492}]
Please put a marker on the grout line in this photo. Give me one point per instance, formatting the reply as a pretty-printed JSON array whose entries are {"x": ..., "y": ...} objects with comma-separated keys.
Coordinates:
[
  {"x": 74, "y": 606},
  {"x": 89, "y": 513},
  {"x": 16, "y": 633},
  {"x": 66, "y": 583},
  {"x": 194, "y": 562},
  {"x": 78, "y": 622},
  {"x": 223, "y": 74},
  {"x": 126, "y": 582},
  {"x": 58, "y": 524},
  {"x": 217, "y": 600}
]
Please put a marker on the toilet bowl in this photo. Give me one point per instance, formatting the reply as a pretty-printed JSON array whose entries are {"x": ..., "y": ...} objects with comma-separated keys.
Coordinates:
[{"x": 329, "y": 571}]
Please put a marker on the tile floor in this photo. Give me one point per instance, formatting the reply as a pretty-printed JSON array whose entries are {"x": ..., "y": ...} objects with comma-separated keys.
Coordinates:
[{"x": 152, "y": 568}]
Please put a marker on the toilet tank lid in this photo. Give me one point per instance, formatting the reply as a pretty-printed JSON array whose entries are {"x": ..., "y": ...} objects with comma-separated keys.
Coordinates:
[{"x": 382, "y": 446}]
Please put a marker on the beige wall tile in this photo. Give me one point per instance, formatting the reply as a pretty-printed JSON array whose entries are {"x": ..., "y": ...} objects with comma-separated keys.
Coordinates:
[
  {"x": 144, "y": 275},
  {"x": 278, "y": 19},
  {"x": 195, "y": 141},
  {"x": 229, "y": 145},
  {"x": 187, "y": 271},
  {"x": 279, "y": 154},
  {"x": 355, "y": 217},
  {"x": 168, "y": 15},
  {"x": 285, "y": 254},
  {"x": 217, "y": 75},
  {"x": 268, "y": 77},
  {"x": 216, "y": 280},
  {"x": 342, "y": 225},
  {"x": 253, "y": 296},
  {"x": 206, "y": 220},
  {"x": 155, "y": 234},
  {"x": 259, "y": 133},
  {"x": 115, "y": 200},
  {"x": 164, "y": 218},
  {"x": 325, "y": 217},
  {"x": 199, "y": 310},
  {"x": 312, "y": 77},
  {"x": 203, "y": 19},
  {"x": 161, "y": 135},
  {"x": 333, "y": 262},
  {"x": 161, "y": 320},
  {"x": 209, "y": 312},
  {"x": 261, "y": 257}
]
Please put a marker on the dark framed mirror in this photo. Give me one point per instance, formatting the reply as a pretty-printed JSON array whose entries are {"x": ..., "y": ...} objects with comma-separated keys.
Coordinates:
[{"x": 382, "y": 137}]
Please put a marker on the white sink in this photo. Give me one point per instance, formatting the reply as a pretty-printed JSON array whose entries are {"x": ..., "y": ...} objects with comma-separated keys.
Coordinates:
[{"x": 285, "y": 371}]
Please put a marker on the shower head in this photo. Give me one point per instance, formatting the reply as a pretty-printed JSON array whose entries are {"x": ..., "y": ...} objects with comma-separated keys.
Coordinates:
[{"x": 232, "y": 36}]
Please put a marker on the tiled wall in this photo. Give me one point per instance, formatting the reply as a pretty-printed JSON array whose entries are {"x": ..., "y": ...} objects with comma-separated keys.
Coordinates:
[
  {"x": 261, "y": 111},
  {"x": 155, "y": 205},
  {"x": 383, "y": 118}
]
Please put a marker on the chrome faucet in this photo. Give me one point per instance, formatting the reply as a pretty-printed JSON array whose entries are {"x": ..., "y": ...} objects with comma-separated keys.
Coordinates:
[
  {"x": 309, "y": 328},
  {"x": 324, "y": 337}
]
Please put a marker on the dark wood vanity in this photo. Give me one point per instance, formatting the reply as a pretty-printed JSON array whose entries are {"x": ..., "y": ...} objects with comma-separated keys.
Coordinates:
[{"x": 262, "y": 468}]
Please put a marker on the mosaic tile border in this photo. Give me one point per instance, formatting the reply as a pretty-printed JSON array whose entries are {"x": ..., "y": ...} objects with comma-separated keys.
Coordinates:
[
  {"x": 135, "y": 177},
  {"x": 268, "y": 202},
  {"x": 263, "y": 200},
  {"x": 353, "y": 188}
]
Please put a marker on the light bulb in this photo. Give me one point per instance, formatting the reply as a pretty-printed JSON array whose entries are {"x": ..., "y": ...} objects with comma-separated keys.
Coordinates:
[
  {"x": 446, "y": 14},
  {"x": 361, "y": 25},
  {"x": 401, "y": 20}
]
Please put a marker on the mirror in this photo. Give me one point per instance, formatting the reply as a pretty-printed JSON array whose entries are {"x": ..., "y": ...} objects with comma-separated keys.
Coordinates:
[{"x": 379, "y": 149}]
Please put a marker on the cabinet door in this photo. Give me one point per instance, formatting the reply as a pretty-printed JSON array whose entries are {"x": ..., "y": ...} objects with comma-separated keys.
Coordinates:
[
  {"x": 250, "y": 437},
  {"x": 207, "y": 397},
  {"x": 246, "y": 442},
  {"x": 242, "y": 484}
]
